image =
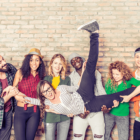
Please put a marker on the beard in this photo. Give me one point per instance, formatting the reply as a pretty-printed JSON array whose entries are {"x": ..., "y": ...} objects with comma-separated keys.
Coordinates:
[{"x": 4, "y": 70}]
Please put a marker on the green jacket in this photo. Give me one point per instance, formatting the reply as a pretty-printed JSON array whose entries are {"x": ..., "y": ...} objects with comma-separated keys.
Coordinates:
[
  {"x": 52, "y": 117},
  {"x": 123, "y": 108}
]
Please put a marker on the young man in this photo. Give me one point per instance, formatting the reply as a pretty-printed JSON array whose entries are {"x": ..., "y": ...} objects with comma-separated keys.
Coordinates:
[
  {"x": 7, "y": 102},
  {"x": 95, "y": 120},
  {"x": 136, "y": 100}
]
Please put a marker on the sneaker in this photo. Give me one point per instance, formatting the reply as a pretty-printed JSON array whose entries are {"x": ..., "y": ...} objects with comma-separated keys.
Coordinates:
[{"x": 91, "y": 26}]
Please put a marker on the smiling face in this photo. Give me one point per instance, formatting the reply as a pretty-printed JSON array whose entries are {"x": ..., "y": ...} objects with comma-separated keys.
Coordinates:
[
  {"x": 34, "y": 62},
  {"x": 3, "y": 65},
  {"x": 118, "y": 77},
  {"x": 48, "y": 92},
  {"x": 137, "y": 59},
  {"x": 57, "y": 66},
  {"x": 77, "y": 62}
]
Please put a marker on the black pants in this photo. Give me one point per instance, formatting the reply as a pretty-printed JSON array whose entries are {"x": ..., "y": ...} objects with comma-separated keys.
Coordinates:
[
  {"x": 5, "y": 131},
  {"x": 86, "y": 90},
  {"x": 136, "y": 131},
  {"x": 26, "y": 123}
]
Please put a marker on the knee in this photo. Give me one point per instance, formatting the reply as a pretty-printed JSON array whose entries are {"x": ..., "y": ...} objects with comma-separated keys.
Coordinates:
[
  {"x": 78, "y": 135},
  {"x": 98, "y": 136}
]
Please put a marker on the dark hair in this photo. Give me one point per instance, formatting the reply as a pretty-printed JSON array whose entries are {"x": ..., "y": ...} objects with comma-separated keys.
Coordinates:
[
  {"x": 138, "y": 49},
  {"x": 25, "y": 68},
  {"x": 41, "y": 97}
]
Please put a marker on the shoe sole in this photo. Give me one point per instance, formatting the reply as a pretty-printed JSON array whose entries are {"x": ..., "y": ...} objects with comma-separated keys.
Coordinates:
[{"x": 85, "y": 25}]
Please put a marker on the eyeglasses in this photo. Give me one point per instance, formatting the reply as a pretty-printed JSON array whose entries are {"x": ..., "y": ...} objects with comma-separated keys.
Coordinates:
[{"x": 47, "y": 91}]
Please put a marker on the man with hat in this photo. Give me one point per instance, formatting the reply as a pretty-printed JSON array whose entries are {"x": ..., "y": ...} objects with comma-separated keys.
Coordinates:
[
  {"x": 7, "y": 102},
  {"x": 95, "y": 120}
]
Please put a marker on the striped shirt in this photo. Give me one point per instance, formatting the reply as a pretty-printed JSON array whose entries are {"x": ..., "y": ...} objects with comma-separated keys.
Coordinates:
[{"x": 71, "y": 101}]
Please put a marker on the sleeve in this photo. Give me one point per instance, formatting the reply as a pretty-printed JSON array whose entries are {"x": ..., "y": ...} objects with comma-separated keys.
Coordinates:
[
  {"x": 1, "y": 103},
  {"x": 68, "y": 81},
  {"x": 100, "y": 88},
  {"x": 134, "y": 82},
  {"x": 69, "y": 89},
  {"x": 33, "y": 101}
]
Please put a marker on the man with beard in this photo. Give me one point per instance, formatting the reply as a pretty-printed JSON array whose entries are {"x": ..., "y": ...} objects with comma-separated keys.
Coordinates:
[{"x": 7, "y": 101}]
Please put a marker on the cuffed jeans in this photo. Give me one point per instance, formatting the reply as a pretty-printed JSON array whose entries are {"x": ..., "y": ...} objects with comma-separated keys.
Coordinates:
[
  {"x": 96, "y": 122},
  {"x": 62, "y": 130}
]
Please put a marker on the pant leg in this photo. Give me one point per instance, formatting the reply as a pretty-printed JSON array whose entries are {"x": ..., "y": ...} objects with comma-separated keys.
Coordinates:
[
  {"x": 86, "y": 89},
  {"x": 50, "y": 131},
  {"x": 19, "y": 123},
  {"x": 97, "y": 125},
  {"x": 79, "y": 128},
  {"x": 32, "y": 123},
  {"x": 96, "y": 103},
  {"x": 62, "y": 129},
  {"x": 136, "y": 130},
  {"x": 5, "y": 131},
  {"x": 123, "y": 127},
  {"x": 109, "y": 123}
]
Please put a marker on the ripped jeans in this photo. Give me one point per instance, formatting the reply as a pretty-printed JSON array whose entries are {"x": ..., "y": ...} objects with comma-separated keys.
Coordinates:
[{"x": 96, "y": 122}]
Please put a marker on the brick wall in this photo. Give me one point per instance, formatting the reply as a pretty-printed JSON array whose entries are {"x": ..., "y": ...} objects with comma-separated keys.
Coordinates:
[{"x": 50, "y": 25}]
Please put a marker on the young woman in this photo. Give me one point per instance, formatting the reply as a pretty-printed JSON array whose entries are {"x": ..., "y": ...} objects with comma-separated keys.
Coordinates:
[
  {"x": 66, "y": 100},
  {"x": 27, "y": 116},
  {"x": 57, "y": 76},
  {"x": 119, "y": 79},
  {"x": 136, "y": 100}
]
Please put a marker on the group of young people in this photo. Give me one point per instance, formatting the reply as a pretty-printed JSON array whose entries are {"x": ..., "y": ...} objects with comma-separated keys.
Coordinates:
[{"x": 54, "y": 98}]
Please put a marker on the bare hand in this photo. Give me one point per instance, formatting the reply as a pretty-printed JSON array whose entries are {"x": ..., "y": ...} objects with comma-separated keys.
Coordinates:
[
  {"x": 47, "y": 106},
  {"x": 70, "y": 115},
  {"x": 125, "y": 98},
  {"x": 22, "y": 99},
  {"x": 116, "y": 103},
  {"x": 84, "y": 66},
  {"x": 105, "y": 109},
  {"x": 7, "y": 90}
]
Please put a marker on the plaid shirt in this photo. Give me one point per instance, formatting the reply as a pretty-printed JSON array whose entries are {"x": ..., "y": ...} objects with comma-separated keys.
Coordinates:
[{"x": 10, "y": 77}]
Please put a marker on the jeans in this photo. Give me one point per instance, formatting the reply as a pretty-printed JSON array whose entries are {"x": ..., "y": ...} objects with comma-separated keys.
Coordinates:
[
  {"x": 96, "y": 122},
  {"x": 61, "y": 127},
  {"x": 122, "y": 125},
  {"x": 5, "y": 131}
]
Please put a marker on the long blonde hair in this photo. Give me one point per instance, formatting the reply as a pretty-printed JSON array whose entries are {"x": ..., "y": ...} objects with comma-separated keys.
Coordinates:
[{"x": 64, "y": 66}]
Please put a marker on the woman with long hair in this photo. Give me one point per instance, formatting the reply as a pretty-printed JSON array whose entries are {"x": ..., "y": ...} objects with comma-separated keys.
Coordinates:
[
  {"x": 119, "y": 78},
  {"x": 67, "y": 99},
  {"x": 27, "y": 116},
  {"x": 56, "y": 76}
]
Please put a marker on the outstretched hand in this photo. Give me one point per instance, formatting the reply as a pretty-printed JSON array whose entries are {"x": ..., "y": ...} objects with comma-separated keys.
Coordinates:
[
  {"x": 105, "y": 109},
  {"x": 116, "y": 103},
  {"x": 125, "y": 98}
]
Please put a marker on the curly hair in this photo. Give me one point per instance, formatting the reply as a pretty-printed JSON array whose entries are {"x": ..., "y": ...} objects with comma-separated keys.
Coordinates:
[
  {"x": 121, "y": 67},
  {"x": 26, "y": 70},
  {"x": 64, "y": 68},
  {"x": 41, "y": 97}
]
